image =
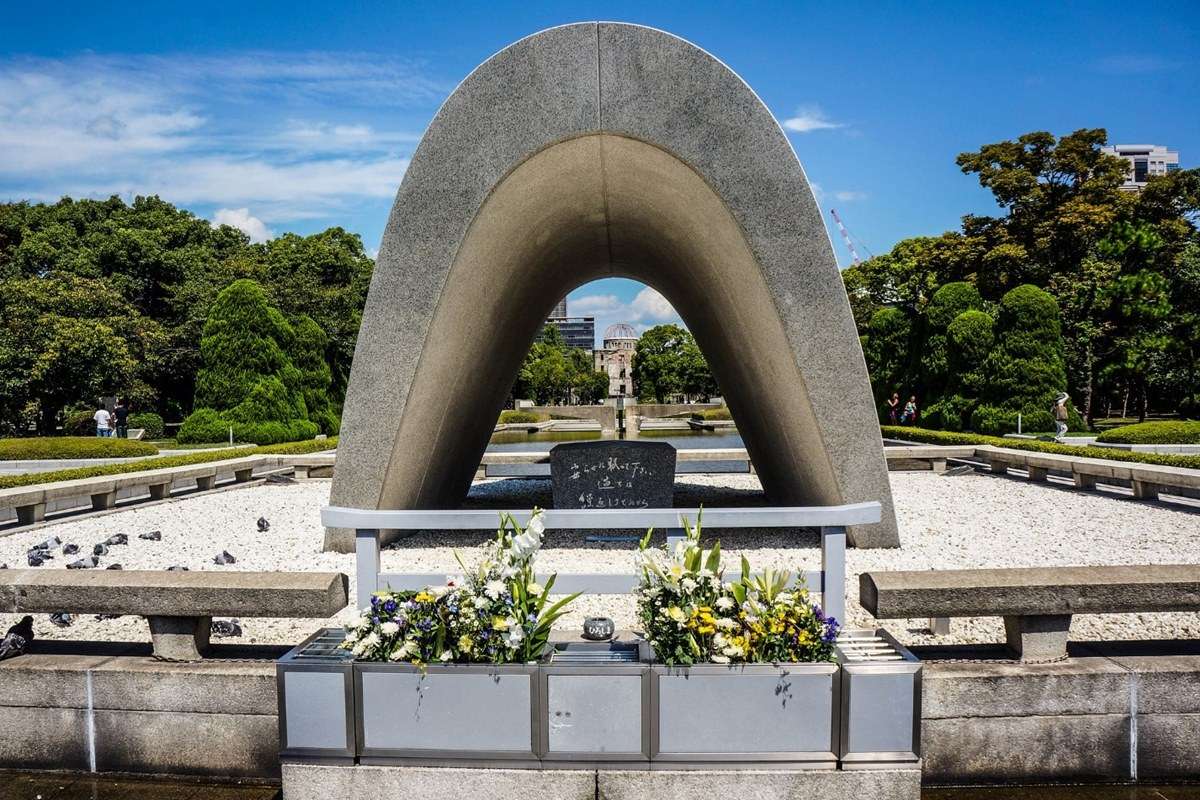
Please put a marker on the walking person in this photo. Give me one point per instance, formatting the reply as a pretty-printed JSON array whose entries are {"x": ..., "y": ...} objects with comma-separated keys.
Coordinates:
[
  {"x": 121, "y": 413},
  {"x": 909, "y": 417},
  {"x": 1061, "y": 415},
  {"x": 894, "y": 407},
  {"x": 103, "y": 422}
]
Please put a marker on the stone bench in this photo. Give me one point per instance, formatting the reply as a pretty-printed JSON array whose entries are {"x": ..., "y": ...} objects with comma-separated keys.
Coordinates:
[
  {"x": 903, "y": 456},
  {"x": 30, "y": 501},
  {"x": 179, "y": 606},
  {"x": 1146, "y": 480},
  {"x": 1036, "y": 602}
]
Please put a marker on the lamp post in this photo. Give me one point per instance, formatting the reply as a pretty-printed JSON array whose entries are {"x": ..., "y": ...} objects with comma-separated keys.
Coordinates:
[{"x": 621, "y": 414}]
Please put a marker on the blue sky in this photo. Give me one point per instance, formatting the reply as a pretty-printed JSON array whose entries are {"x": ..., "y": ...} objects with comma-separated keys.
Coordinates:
[{"x": 294, "y": 116}]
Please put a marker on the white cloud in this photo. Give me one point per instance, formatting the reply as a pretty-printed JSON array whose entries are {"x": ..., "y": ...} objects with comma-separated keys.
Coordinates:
[
  {"x": 91, "y": 126},
  {"x": 592, "y": 304},
  {"x": 850, "y": 196},
  {"x": 810, "y": 118},
  {"x": 651, "y": 306},
  {"x": 241, "y": 219}
]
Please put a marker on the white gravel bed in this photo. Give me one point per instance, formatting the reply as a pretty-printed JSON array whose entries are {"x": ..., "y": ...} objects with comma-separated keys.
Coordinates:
[{"x": 945, "y": 523}]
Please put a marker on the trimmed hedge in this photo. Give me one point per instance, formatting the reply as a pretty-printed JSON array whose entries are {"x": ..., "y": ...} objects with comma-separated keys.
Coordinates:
[
  {"x": 949, "y": 437},
  {"x": 1166, "y": 432},
  {"x": 508, "y": 416},
  {"x": 150, "y": 422},
  {"x": 62, "y": 447},
  {"x": 721, "y": 413},
  {"x": 291, "y": 448}
]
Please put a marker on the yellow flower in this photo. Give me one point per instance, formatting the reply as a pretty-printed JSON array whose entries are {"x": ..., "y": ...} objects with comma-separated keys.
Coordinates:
[
  {"x": 465, "y": 643},
  {"x": 499, "y": 624},
  {"x": 676, "y": 613},
  {"x": 423, "y": 597}
]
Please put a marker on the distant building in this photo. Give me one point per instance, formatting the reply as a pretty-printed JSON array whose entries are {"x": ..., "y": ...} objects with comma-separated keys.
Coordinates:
[
  {"x": 1145, "y": 161},
  {"x": 576, "y": 331},
  {"x": 616, "y": 358}
]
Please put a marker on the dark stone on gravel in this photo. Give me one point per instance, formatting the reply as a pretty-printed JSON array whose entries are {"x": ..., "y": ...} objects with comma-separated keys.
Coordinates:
[
  {"x": 177, "y": 568},
  {"x": 114, "y": 566},
  {"x": 152, "y": 536}
]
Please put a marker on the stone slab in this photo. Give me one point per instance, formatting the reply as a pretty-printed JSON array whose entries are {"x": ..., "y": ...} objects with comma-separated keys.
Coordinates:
[
  {"x": 47, "y": 681},
  {"x": 760, "y": 785},
  {"x": 613, "y": 474},
  {"x": 999, "y": 689},
  {"x": 174, "y": 743},
  {"x": 153, "y": 593},
  {"x": 1168, "y": 746},
  {"x": 318, "y": 782},
  {"x": 1026, "y": 748},
  {"x": 1030, "y": 590},
  {"x": 43, "y": 738},
  {"x": 208, "y": 687}
]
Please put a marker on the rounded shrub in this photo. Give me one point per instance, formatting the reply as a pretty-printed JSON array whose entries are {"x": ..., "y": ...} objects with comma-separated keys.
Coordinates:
[
  {"x": 1024, "y": 372},
  {"x": 79, "y": 423},
  {"x": 203, "y": 426},
  {"x": 150, "y": 422},
  {"x": 1165, "y": 432}
]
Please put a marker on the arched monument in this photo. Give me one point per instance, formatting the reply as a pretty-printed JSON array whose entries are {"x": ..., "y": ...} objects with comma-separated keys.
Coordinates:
[{"x": 588, "y": 151}]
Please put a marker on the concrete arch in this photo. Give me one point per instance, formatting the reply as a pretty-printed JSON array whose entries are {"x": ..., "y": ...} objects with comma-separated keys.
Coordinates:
[{"x": 594, "y": 150}]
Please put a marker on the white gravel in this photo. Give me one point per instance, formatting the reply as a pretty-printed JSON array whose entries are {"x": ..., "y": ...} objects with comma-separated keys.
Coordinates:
[{"x": 945, "y": 523}]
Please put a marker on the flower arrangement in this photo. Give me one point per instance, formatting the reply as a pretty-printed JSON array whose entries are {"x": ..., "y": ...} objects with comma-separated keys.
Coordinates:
[
  {"x": 691, "y": 615},
  {"x": 499, "y": 615}
]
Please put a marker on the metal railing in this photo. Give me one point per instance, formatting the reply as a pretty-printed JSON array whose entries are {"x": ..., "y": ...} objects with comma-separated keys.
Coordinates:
[{"x": 832, "y": 521}]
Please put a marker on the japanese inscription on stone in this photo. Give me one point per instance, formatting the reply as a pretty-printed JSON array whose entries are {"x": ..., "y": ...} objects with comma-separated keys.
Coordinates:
[{"x": 615, "y": 474}]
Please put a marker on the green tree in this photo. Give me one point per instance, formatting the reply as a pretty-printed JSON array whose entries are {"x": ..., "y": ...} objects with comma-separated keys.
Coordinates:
[
  {"x": 80, "y": 359},
  {"x": 969, "y": 339},
  {"x": 668, "y": 361},
  {"x": 887, "y": 348},
  {"x": 948, "y": 302}
]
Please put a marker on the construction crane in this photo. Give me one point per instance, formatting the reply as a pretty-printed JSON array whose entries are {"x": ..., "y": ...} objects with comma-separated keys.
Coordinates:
[{"x": 846, "y": 236}]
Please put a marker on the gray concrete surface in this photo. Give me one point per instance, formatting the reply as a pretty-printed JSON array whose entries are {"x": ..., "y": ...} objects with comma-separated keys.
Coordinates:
[{"x": 633, "y": 153}]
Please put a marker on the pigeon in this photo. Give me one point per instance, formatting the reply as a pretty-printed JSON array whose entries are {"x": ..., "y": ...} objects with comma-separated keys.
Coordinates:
[
  {"x": 100, "y": 550},
  {"x": 38, "y": 551},
  {"x": 222, "y": 628},
  {"x": 50, "y": 543},
  {"x": 117, "y": 538},
  {"x": 276, "y": 478},
  {"x": 114, "y": 566},
  {"x": 18, "y": 638},
  {"x": 956, "y": 471},
  {"x": 101, "y": 617},
  {"x": 35, "y": 560},
  {"x": 263, "y": 525},
  {"x": 70, "y": 549},
  {"x": 84, "y": 563},
  {"x": 3, "y": 566},
  {"x": 152, "y": 536},
  {"x": 177, "y": 568},
  {"x": 225, "y": 557},
  {"x": 62, "y": 619}
]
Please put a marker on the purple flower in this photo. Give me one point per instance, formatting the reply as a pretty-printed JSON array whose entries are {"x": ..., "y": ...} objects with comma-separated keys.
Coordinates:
[
  {"x": 374, "y": 600},
  {"x": 389, "y": 606}
]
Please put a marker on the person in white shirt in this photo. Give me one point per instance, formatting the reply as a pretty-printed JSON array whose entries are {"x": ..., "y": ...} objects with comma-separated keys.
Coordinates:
[{"x": 103, "y": 419}]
